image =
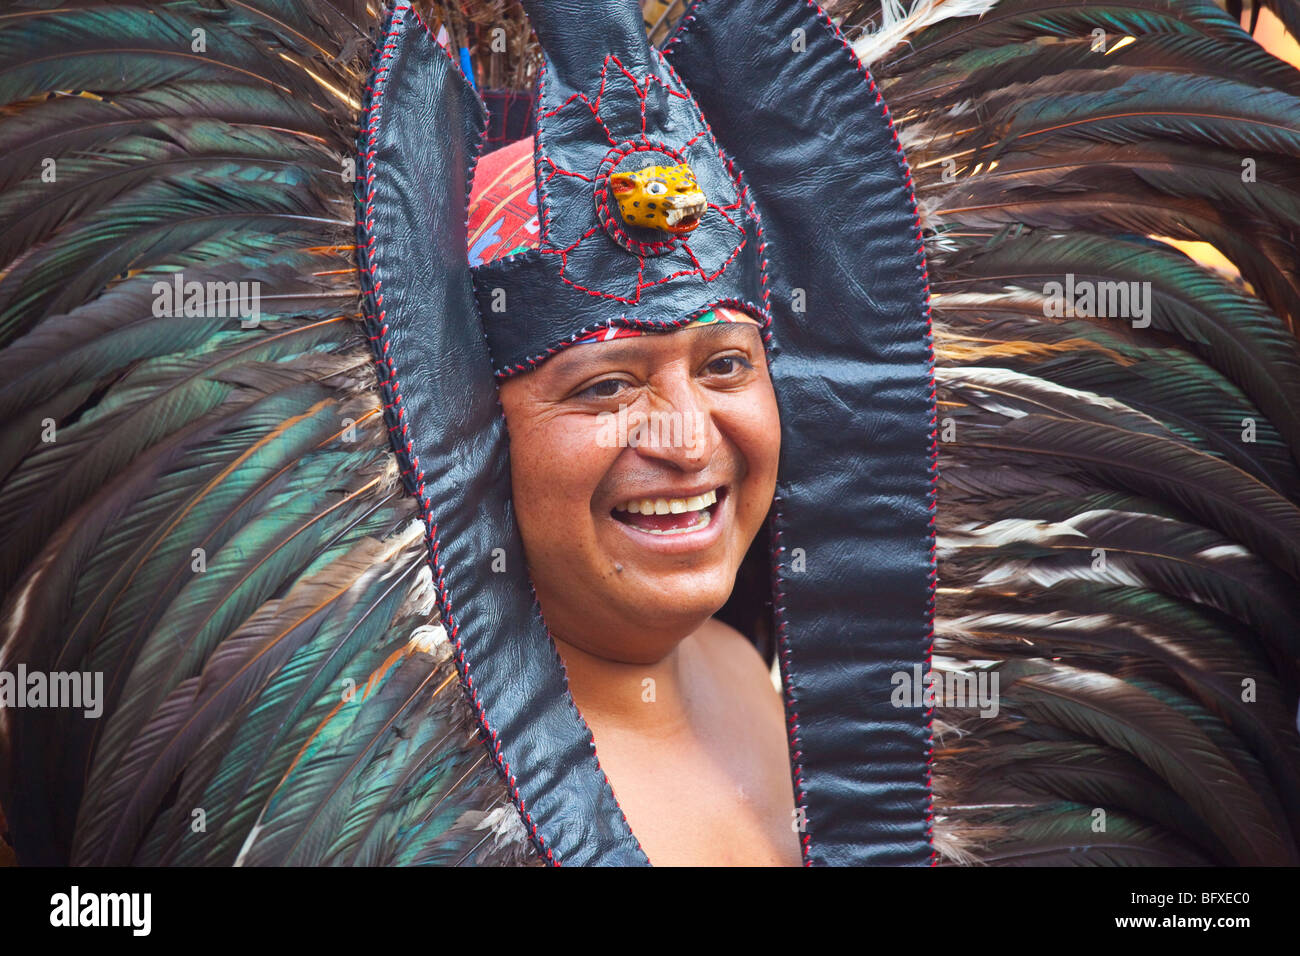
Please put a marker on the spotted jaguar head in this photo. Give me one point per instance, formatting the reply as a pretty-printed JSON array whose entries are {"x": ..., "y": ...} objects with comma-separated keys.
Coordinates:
[{"x": 660, "y": 197}]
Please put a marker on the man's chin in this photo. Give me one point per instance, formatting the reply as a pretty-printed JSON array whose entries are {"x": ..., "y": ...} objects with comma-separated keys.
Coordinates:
[{"x": 679, "y": 598}]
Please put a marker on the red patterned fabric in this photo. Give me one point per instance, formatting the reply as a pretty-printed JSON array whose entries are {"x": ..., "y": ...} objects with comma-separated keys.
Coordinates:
[{"x": 503, "y": 204}]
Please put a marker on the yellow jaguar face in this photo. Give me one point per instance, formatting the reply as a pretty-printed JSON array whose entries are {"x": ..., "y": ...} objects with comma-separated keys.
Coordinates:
[{"x": 660, "y": 197}]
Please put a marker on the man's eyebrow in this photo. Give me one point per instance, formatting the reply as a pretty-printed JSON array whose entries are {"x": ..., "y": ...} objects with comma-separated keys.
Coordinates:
[
  {"x": 716, "y": 329},
  {"x": 579, "y": 357}
]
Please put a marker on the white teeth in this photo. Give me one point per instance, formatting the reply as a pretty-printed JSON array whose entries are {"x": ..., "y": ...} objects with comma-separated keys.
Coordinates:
[
  {"x": 692, "y": 204},
  {"x": 665, "y": 506}
]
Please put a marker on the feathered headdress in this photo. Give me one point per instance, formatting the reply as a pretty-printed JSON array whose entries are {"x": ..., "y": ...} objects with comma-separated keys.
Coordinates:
[{"x": 200, "y": 502}]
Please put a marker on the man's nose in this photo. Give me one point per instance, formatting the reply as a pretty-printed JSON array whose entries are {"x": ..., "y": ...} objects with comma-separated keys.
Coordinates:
[{"x": 677, "y": 428}]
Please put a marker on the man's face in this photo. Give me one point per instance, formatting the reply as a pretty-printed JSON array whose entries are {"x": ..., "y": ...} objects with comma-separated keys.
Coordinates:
[{"x": 607, "y": 437}]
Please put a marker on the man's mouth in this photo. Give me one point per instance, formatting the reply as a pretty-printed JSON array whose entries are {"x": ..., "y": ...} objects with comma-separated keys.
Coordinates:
[{"x": 667, "y": 516}]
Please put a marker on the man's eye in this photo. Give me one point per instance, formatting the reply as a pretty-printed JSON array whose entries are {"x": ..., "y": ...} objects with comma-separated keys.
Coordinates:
[
  {"x": 607, "y": 388},
  {"x": 728, "y": 365}
]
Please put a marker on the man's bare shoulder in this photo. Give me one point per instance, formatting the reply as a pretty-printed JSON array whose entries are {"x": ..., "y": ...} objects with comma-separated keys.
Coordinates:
[{"x": 735, "y": 655}]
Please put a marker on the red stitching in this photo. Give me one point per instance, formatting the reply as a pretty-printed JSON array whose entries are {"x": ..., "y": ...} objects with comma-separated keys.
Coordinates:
[
  {"x": 557, "y": 168},
  {"x": 594, "y": 110},
  {"x": 787, "y": 682},
  {"x": 682, "y": 27}
]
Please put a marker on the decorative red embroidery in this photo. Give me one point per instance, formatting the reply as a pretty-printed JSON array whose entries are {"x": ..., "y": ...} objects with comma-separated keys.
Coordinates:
[{"x": 605, "y": 218}]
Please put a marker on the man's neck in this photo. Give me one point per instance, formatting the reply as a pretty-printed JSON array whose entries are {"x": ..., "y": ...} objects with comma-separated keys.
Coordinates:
[{"x": 653, "y": 698}]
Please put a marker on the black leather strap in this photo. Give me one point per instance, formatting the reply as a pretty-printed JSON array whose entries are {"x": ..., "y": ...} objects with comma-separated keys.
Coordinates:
[
  {"x": 576, "y": 34},
  {"x": 849, "y": 297},
  {"x": 420, "y": 139}
]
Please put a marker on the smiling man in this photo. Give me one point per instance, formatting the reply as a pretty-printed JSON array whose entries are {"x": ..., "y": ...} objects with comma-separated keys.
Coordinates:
[{"x": 632, "y": 548}]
